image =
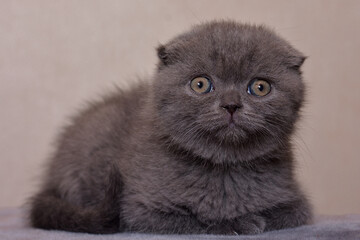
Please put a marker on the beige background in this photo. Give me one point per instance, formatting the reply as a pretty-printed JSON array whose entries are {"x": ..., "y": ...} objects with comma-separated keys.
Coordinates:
[{"x": 55, "y": 55}]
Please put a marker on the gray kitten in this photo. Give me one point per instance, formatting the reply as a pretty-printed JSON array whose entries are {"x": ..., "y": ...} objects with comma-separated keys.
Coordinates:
[{"x": 203, "y": 148}]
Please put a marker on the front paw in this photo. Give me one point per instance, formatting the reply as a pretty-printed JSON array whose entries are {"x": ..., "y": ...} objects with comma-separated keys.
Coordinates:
[
  {"x": 223, "y": 228},
  {"x": 249, "y": 224}
]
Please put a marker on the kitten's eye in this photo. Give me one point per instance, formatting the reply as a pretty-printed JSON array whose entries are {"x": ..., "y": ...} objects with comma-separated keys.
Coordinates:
[
  {"x": 201, "y": 85},
  {"x": 259, "y": 88}
]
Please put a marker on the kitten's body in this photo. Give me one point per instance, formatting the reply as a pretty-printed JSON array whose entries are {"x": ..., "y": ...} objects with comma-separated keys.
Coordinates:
[{"x": 145, "y": 159}]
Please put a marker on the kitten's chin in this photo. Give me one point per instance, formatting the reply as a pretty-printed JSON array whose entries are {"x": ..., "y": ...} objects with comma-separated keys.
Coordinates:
[{"x": 231, "y": 132}]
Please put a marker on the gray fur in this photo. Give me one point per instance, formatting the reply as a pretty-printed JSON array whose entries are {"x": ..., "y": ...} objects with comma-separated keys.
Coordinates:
[{"x": 162, "y": 158}]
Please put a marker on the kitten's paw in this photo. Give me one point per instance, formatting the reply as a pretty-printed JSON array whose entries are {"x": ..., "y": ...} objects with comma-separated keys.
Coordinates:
[
  {"x": 249, "y": 224},
  {"x": 221, "y": 229}
]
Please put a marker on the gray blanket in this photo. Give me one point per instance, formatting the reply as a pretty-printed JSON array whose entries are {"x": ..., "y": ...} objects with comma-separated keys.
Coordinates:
[{"x": 12, "y": 226}]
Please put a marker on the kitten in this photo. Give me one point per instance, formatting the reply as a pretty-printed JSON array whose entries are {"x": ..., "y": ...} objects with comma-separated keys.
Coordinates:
[{"x": 203, "y": 148}]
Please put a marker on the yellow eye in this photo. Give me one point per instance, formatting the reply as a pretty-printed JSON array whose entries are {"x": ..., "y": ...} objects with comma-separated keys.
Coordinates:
[
  {"x": 201, "y": 85},
  {"x": 259, "y": 88}
]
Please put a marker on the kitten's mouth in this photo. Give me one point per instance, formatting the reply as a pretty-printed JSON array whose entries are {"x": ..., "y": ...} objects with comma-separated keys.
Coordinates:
[{"x": 231, "y": 122}]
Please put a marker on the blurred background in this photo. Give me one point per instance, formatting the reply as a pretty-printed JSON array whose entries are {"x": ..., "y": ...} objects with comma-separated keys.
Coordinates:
[{"x": 56, "y": 55}]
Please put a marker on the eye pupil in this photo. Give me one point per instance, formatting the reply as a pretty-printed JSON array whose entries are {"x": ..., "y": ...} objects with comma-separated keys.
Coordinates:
[
  {"x": 261, "y": 87},
  {"x": 200, "y": 84}
]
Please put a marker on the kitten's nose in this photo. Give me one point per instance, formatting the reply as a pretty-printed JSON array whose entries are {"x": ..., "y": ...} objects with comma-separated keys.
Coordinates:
[{"x": 231, "y": 108}]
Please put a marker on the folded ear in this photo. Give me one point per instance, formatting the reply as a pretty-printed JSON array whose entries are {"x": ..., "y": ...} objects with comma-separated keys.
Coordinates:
[
  {"x": 299, "y": 62},
  {"x": 169, "y": 53},
  {"x": 163, "y": 55},
  {"x": 295, "y": 62}
]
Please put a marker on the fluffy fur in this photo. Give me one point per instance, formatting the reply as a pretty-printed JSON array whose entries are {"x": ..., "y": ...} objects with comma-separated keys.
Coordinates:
[{"x": 162, "y": 158}]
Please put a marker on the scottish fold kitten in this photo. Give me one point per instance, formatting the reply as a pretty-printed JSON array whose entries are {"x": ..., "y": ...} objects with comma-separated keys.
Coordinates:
[{"x": 204, "y": 147}]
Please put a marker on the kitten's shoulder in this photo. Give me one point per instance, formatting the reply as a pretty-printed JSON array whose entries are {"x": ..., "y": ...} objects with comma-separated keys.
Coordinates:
[
  {"x": 94, "y": 131},
  {"x": 94, "y": 137},
  {"x": 110, "y": 111}
]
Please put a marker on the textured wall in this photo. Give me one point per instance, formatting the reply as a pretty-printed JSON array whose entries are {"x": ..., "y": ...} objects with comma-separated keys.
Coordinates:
[{"x": 55, "y": 55}]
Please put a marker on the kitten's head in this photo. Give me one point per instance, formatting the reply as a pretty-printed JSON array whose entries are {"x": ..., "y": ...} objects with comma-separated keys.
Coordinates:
[{"x": 228, "y": 92}]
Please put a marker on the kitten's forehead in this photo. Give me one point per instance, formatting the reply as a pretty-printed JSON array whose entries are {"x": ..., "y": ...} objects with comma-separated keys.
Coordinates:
[
  {"x": 236, "y": 40},
  {"x": 231, "y": 49}
]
